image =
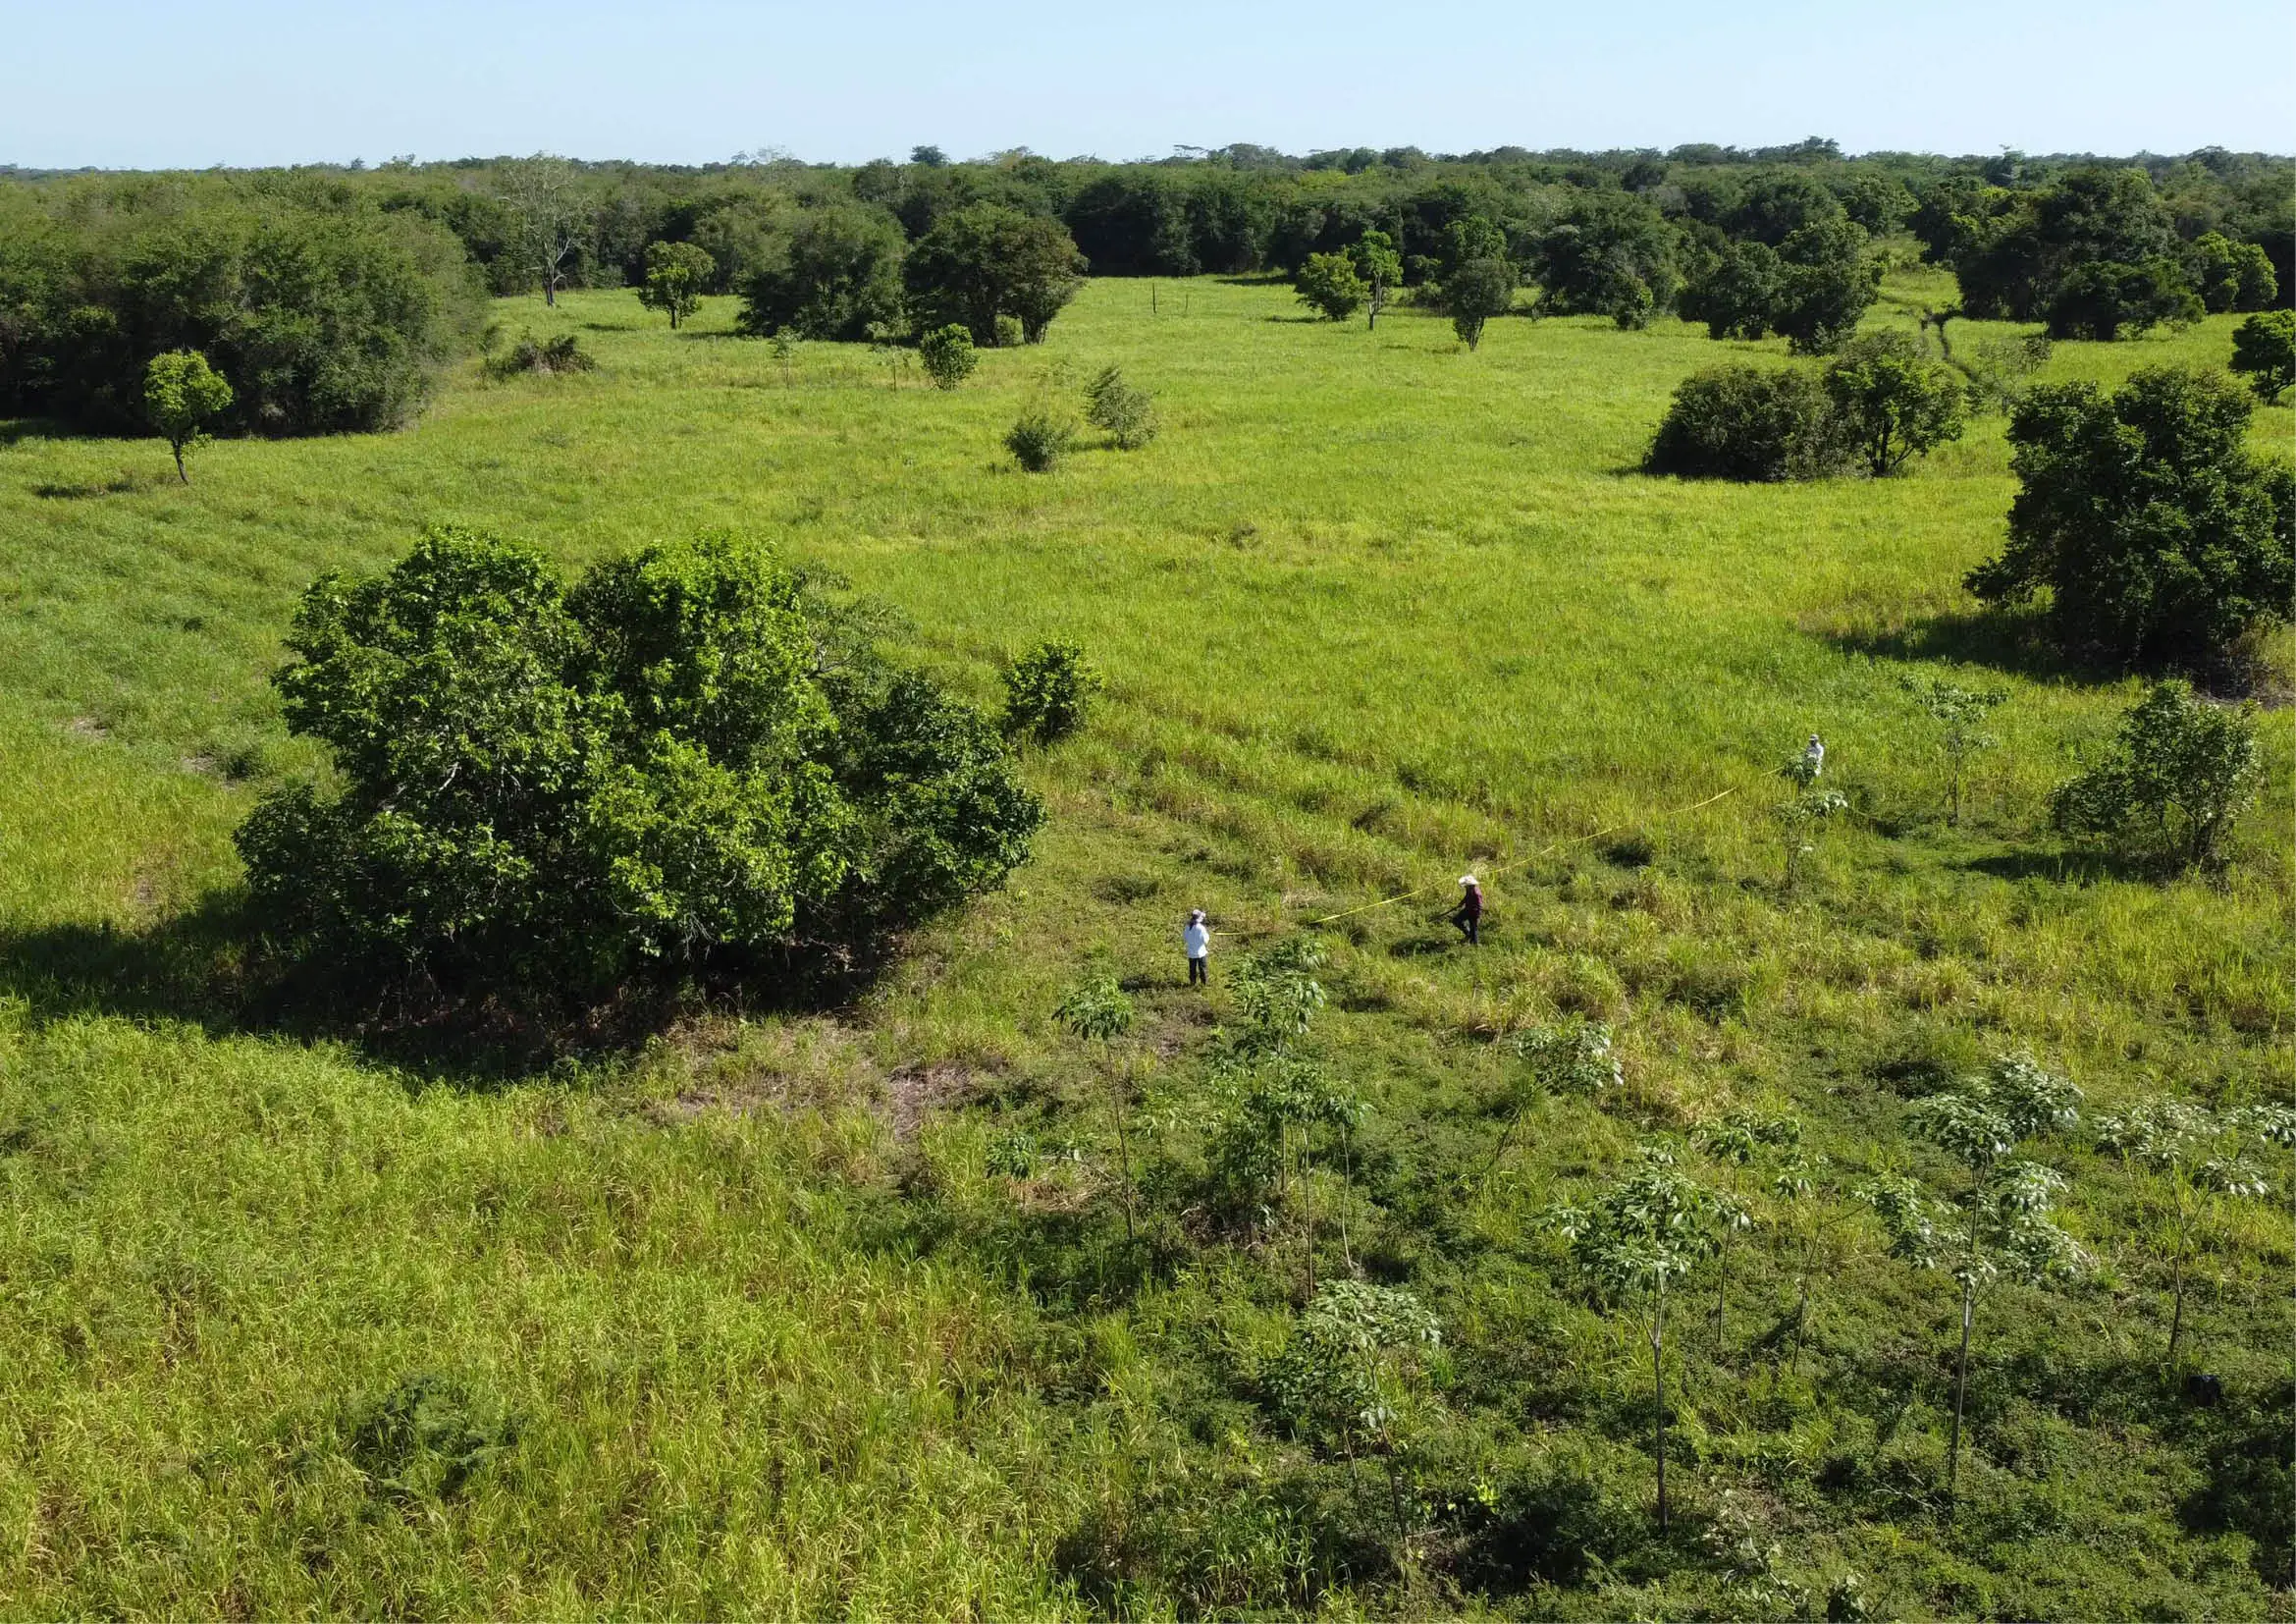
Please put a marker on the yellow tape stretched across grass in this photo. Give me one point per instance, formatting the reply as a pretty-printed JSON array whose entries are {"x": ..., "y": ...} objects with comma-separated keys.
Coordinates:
[{"x": 1544, "y": 851}]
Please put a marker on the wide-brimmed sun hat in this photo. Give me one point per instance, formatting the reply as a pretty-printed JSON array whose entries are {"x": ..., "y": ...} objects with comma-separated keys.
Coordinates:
[{"x": 1468, "y": 880}]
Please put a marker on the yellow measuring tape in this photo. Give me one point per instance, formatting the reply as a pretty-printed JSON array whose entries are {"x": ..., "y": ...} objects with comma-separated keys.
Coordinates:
[{"x": 1544, "y": 851}]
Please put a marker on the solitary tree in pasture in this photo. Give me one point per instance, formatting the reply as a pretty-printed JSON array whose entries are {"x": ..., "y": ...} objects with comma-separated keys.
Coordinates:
[
  {"x": 675, "y": 275},
  {"x": 2263, "y": 352},
  {"x": 2179, "y": 774},
  {"x": 1634, "y": 1240},
  {"x": 1098, "y": 1012},
  {"x": 181, "y": 393},
  {"x": 1328, "y": 283},
  {"x": 2195, "y": 1161},
  {"x": 1892, "y": 404},
  {"x": 1477, "y": 291},
  {"x": 1998, "y": 1223},
  {"x": 1381, "y": 269},
  {"x": 540, "y": 192},
  {"x": 947, "y": 354},
  {"x": 1959, "y": 714}
]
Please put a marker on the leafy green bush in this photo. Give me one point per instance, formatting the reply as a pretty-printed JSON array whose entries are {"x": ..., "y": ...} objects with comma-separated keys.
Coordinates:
[
  {"x": 1477, "y": 291},
  {"x": 677, "y": 273},
  {"x": 1127, "y": 414},
  {"x": 545, "y": 795},
  {"x": 545, "y": 356},
  {"x": 1748, "y": 422},
  {"x": 948, "y": 355},
  {"x": 1044, "y": 435},
  {"x": 1889, "y": 404},
  {"x": 2159, "y": 536},
  {"x": 836, "y": 272},
  {"x": 1328, "y": 285},
  {"x": 2179, "y": 774},
  {"x": 1049, "y": 691},
  {"x": 2106, "y": 299},
  {"x": 2263, "y": 352}
]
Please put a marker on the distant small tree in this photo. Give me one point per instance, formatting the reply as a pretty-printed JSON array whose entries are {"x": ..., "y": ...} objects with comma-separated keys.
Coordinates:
[
  {"x": 1127, "y": 414},
  {"x": 1328, "y": 284},
  {"x": 947, "y": 355},
  {"x": 1381, "y": 269},
  {"x": 1959, "y": 714},
  {"x": 2161, "y": 536},
  {"x": 987, "y": 260},
  {"x": 1891, "y": 403},
  {"x": 1743, "y": 1142},
  {"x": 2003, "y": 1224},
  {"x": 2263, "y": 352},
  {"x": 1477, "y": 291},
  {"x": 181, "y": 394},
  {"x": 2179, "y": 774},
  {"x": 2197, "y": 1159},
  {"x": 675, "y": 275},
  {"x": 1748, "y": 422},
  {"x": 1805, "y": 813},
  {"x": 546, "y": 210},
  {"x": 2229, "y": 275},
  {"x": 1098, "y": 1012},
  {"x": 1646, "y": 1233},
  {"x": 1049, "y": 691},
  {"x": 1828, "y": 278}
]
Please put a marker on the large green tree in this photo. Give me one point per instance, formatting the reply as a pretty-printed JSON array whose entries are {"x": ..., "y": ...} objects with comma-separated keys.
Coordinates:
[
  {"x": 835, "y": 274},
  {"x": 987, "y": 260},
  {"x": 1611, "y": 255},
  {"x": 2159, "y": 535}
]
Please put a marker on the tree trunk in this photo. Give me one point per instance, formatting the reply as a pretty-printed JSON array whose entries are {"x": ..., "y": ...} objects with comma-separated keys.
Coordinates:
[
  {"x": 1960, "y": 1392},
  {"x": 2177, "y": 1318},
  {"x": 1116, "y": 1092},
  {"x": 177, "y": 445}
]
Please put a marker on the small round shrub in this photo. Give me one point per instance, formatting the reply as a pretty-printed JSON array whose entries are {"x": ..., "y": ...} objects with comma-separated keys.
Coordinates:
[
  {"x": 1041, "y": 439},
  {"x": 948, "y": 355},
  {"x": 1128, "y": 415},
  {"x": 1047, "y": 692},
  {"x": 1748, "y": 422}
]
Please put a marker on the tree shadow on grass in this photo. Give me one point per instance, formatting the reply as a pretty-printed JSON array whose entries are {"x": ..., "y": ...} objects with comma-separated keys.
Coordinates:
[
  {"x": 210, "y": 967},
  {"x": 2009, "y": 640}
]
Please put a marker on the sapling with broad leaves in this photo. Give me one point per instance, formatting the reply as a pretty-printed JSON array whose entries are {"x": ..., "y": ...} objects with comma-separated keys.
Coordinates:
[
  {"x": 1631, "y": 1243},
  {"x": 1096, "y": 1011},
  {"x": 1351, "y": 1370},
  {"x": 1574, "y": 1063},
  {"x": 1998, "y": 1221},
  {"x": 1805, "y": 812},
  {"x": 1959, "y": 714},
  {"x": 1381, "y": 270},
  {"x": 2197, "y": 1159},
  {"x": 181, "y": 392},
  {"x": 1741, "y": 1142}
]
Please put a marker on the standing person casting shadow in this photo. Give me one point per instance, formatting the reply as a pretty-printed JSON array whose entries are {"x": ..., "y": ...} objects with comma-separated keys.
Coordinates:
[
  {"x": 1197, "y": 937},
  {"x": 1469, "y": 915}
]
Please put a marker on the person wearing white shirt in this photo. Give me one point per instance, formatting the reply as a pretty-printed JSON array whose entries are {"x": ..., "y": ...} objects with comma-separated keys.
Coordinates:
[{"x": 1197, "y": 937}]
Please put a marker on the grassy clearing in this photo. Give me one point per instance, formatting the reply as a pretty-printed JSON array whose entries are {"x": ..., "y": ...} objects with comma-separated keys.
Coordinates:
[{"x": 773, "y": 1337}]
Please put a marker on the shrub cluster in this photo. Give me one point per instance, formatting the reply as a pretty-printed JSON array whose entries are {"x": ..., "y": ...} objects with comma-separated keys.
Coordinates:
[
  {"x": 685, "y": 764},
  {"x": 1877, "y": 404}
]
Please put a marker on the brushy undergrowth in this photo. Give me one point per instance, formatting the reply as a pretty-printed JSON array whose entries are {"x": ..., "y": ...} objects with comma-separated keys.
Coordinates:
[{"x": 834, "y": 1312}]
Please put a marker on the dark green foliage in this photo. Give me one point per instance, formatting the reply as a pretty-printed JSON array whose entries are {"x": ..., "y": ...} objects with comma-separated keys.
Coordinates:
[
  {"x": 987, "y": 260},
  {"x": 677, "y": 273},
  {"x": 1328, "y": 283},
  {"x": 427, "y": 1438},
  {"x": 1737, "y": 294},
  {"x": 2161, "y": 537},
  {"x": 1042, "y": 437},
  {"x": 546, "y": 794},
  {"x": 1380, "y": 267},
  {"x": 322, "y": 313},
  {"x": 1748, "y": 422},
  {"x": 1049, "y": 691},
  {"x": 562, "y": 354},
  {"x": 1611, "y": 255},
  {"x": 2176, "y": 779},
  {"x": 1827, "y": 280},
  {"x": 1890, "y": 403},
  {"x": 1128, "y": 415},
  {"x": 2263, "y": 352},
  {"x": 2104, "y": 299},
  {"x": 836, "y": 275},
  {"x": 2229, "y": 275},
  {"x": 1478, "y": 290},
  {"x": 948, "y": 355}
]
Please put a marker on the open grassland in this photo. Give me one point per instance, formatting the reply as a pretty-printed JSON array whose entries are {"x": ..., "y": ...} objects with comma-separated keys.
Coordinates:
[{"x": 741, "y": 1323}]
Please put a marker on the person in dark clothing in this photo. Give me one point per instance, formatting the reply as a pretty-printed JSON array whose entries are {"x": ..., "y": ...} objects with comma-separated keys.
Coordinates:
[{"x": 1468, "y": 916}]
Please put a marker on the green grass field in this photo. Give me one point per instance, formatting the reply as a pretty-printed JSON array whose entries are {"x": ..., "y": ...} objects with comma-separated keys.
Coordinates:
[{"x": 770, "y": 1337}]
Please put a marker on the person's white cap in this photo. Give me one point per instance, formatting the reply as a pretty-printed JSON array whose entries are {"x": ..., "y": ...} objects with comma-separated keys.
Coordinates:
[{"x": 1468, "y": 880}]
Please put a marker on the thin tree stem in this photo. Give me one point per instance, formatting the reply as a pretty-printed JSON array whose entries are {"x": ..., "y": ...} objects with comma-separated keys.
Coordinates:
[{"x": 1960, "y": 1392}]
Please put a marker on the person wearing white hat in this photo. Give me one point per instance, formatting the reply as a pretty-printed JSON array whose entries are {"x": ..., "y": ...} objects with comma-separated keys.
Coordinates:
[
  {"x": 1468, "y": 916},
  {"x": 1813, "y": 758},
  {"x": 1197, "y": 937}
]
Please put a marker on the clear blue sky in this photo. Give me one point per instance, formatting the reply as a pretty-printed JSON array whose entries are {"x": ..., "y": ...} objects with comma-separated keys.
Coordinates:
[{"x": 263, "y": 81}]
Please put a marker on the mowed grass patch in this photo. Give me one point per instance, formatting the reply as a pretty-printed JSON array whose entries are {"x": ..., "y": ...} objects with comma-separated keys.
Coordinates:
[{"x": 768, "y": 1335}]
